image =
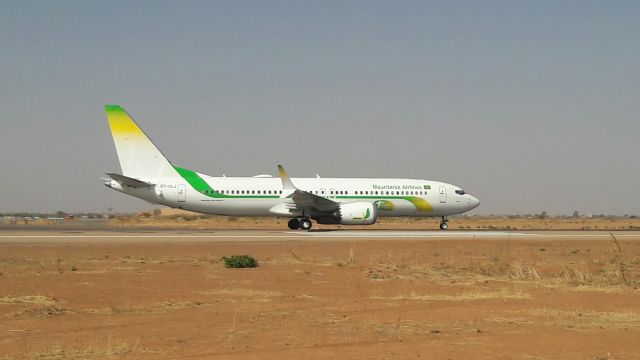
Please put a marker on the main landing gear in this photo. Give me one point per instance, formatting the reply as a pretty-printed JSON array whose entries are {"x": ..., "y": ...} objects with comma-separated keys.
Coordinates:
[
  {"x": 300, "y": 223},
  {"x": 443, "y": 223}
]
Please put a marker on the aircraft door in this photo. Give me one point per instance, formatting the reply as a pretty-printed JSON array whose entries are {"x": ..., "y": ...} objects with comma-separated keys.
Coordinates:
[
  {"x": 182, "y": 193},
  {"x": 443, "y": 194}
]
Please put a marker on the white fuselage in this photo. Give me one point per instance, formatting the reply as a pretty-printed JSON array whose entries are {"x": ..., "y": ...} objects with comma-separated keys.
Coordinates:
[{"x": 261, "y": 196}]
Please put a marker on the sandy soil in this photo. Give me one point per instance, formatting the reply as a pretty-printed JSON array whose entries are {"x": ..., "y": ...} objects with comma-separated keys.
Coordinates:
[{"x": 347, "y": 299}]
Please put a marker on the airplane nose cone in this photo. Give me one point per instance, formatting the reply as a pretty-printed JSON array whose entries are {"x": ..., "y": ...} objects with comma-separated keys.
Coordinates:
[{"x": 473, "y": 202}]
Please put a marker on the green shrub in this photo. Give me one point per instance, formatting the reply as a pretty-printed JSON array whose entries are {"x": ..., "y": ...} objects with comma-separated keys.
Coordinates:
[{"x": 240, "y": 261}]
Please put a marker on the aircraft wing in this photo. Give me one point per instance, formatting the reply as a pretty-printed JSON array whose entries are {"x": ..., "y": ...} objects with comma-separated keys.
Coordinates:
[
  {"x": 129, "y": 182},
  {"x": 304, "y": 199}
]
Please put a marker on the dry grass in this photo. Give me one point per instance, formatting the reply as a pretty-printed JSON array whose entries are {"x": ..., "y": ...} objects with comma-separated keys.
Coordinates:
[
  {"x": 40, "y": 306},
  {"x": 110, "y": 350},
  {"x": 577, "y": 318},
  {"x": 148, "y": 309},
  {"x": 244, "y": 294},
  {"x": 53, "y": 310},
  {"x": 523, "y": 272},
  {"x": 599, "y": 272},
  {"x": 503, "y": 293},
  {"x": 28, "y": 299},
  {"x": 352, "y": 256}
]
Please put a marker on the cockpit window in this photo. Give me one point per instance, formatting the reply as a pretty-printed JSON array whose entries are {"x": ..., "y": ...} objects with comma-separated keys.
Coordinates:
[{"x": 460, "y": 192}]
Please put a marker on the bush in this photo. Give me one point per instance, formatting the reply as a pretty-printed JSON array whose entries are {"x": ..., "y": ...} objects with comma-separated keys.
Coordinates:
[{"x": 240, "y": 261}]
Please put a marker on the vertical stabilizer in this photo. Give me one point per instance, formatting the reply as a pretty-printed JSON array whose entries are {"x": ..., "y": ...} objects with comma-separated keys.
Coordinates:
[{"x": 139, "y": 157}]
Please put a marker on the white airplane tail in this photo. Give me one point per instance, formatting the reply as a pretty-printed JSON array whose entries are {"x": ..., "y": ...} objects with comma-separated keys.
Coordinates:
[{"x": 139, "y": 157}]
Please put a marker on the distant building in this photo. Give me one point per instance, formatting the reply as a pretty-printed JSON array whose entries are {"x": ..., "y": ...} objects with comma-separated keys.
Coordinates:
[{"x": 576, "y": 214}]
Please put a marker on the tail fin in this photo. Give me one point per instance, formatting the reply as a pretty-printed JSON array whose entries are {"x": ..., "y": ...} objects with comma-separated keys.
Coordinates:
[{"x": 139, "y": 157}]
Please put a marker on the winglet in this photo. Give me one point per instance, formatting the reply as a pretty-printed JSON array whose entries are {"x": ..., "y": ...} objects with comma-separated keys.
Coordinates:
[{"x": 287, "y": 186}]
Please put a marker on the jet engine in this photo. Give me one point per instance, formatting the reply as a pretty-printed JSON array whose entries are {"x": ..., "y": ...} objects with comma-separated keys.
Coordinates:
[{"x": 356, "y": 213}]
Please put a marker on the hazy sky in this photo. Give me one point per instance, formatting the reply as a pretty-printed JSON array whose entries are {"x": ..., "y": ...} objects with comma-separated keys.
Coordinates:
[{"x": 530, "y": 106}]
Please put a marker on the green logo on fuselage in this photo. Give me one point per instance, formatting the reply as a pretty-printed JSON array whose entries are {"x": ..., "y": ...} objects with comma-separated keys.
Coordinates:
[{"x": 383, "y": 205}]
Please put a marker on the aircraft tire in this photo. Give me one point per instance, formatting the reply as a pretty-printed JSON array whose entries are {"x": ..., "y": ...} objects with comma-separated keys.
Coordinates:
[
  {"x": 294, "y": 224},
  {"x": 305, "y": 224},
  {"x": 444, "y": 226}
]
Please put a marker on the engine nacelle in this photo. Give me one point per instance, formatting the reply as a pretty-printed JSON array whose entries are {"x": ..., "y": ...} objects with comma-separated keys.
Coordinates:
[{"x": 357, "y": 213}]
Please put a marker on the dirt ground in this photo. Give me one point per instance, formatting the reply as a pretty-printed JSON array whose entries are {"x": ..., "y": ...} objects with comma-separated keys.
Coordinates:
[{"x": 324, "y": 299}]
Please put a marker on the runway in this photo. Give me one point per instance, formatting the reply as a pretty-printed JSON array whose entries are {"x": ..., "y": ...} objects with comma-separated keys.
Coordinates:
[{"x": 137, "y": 235}]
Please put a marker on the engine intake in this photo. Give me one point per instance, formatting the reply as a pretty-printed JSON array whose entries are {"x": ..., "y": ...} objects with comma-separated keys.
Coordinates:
[{"x": 357, "y": 213}]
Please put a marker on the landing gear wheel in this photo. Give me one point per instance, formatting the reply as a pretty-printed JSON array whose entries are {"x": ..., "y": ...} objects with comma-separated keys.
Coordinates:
[
  {"x": 305, "y": 224},
  {"x": 444, "y": 226},
  {"x": 294, "y": 224}
]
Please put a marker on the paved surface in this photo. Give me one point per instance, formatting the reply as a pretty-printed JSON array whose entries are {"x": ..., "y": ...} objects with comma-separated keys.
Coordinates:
[{"x": 11, "y": 236}]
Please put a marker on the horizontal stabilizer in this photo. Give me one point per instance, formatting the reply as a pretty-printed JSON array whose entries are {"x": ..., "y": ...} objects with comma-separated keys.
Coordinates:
[{"x": 129, "y": 182}]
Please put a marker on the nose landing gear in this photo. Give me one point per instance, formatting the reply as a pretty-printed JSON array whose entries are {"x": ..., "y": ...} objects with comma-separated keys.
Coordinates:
[
  {"x": 301, "y": 223},
  {"x": 443, "y": 223}
]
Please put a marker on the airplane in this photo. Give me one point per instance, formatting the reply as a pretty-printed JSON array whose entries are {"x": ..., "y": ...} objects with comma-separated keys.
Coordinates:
[{"x": 148, "y": 175}]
